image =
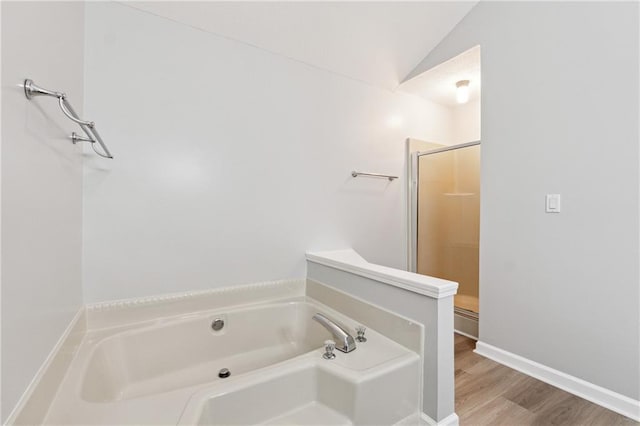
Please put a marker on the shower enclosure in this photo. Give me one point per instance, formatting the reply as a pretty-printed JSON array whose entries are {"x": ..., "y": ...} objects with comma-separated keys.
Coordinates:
[{"x": 445, "y": 217}]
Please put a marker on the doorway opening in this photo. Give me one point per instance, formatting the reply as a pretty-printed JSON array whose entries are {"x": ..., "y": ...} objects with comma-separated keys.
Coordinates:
[{"x": 444, "y": 186}]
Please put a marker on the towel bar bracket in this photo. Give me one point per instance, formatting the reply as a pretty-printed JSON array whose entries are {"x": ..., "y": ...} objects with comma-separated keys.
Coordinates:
[
  {"x": 75, "y": 138},
  {"x": 32, "y": 90}
]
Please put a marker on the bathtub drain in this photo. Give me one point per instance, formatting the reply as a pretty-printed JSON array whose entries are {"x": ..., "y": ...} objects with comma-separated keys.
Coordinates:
[
  {"x": 217, "y": 324},
  {"x": 224, "y": 373}
]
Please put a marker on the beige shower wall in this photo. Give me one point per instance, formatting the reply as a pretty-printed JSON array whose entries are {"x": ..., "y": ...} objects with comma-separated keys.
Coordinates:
[{"x": 448, "y": 217}]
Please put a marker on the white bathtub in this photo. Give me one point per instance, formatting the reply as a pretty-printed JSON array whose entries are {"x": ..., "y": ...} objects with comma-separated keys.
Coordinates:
[
  {"x": 166, "y": 372},
  {"x": 186, "y": 352}
]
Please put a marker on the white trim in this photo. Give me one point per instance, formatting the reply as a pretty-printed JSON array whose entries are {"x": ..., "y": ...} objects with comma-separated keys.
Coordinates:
[
  {"x": 411, "y": 206},
  {"x": 350, "y": 261},
  {"x": 462, "y": 333},
  {"x": 450, "y": 420},
  {"x": 609, "y": 399},
  {"x": 122, "y": 312},
  {"x": 17, "y": 409},
  {"x": 185, "y": 295},
  {"x": 449, "y": 148}
]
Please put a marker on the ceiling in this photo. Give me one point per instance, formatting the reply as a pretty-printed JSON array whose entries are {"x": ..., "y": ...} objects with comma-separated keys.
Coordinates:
[
  {"x": 438, "y": 84},
  {"x": 379, "y": 43}
]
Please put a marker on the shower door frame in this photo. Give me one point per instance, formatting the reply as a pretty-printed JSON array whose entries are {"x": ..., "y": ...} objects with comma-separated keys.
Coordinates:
[{"x": 414, "y": 172}]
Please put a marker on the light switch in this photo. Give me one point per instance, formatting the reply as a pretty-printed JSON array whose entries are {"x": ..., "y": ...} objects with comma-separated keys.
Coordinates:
[{"x": 553, "y": 203}]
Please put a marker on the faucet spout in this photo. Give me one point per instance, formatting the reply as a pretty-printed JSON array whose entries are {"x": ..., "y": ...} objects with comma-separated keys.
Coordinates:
[{"x": 344, "y": 341}]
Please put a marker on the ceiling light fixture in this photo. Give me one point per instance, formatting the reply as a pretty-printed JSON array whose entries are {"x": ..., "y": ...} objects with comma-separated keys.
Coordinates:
[{"x": 462, "y": 91}]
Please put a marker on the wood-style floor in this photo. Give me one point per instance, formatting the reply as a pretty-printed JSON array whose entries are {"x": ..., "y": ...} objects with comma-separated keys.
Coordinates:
[{"x": 488, "y": 393}]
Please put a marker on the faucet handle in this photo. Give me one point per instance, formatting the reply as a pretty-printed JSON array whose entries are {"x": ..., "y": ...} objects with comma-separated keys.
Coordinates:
[
  {"x": 329, "y": 347},
  {"x": 360, "y": 330}
]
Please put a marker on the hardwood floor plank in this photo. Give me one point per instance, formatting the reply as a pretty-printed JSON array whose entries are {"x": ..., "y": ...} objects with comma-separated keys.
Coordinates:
[
  {"x": 477, "y": 390},
  {"x": 609, "y": 418},
  {"x": 499, "y": 411},
  {"x": 489, "y": 393},
  {"x": 534, "y": 394},
  {"x": 463, "y": 343},
  {"x": 567, "y": 410},
  {"x": 466, "y": 359}
]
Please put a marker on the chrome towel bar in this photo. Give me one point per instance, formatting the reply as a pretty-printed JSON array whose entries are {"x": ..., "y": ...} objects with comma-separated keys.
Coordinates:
[
  {"x": 88, "y": 127},
  {"x": 356, "y": 174}
]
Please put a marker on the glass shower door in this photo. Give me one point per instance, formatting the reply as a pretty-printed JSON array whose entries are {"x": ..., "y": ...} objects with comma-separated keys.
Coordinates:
[{"x": 448, "y": 220}]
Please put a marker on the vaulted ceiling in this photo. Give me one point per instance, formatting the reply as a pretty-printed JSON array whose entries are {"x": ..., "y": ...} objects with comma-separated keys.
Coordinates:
[
  {"x": 378, "y": 43},
  {"x": 438, "y": 84}
]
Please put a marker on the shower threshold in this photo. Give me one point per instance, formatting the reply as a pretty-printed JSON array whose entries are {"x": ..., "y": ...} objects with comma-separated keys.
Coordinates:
[{"x": 465, "y": 322}]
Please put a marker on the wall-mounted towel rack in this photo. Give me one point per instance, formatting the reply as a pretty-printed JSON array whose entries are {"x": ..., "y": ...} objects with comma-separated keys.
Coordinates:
[
  {"x": 356, "y": 174},
  {"x": 88, "y": 127}
]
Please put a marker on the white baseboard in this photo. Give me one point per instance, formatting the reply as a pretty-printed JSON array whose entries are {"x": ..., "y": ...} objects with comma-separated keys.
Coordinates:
[
  {"x": 462, "y": 333},
  {"x": 598, "y": 395},
  {"x": 450, "y": 420}
]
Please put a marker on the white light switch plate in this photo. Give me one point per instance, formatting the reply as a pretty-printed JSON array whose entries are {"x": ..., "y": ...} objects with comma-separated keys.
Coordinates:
[{"x": 553, "y": 203}]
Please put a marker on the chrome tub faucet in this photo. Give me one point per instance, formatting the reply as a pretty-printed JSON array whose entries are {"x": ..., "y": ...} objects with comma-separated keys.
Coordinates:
[{"x": 344, "y": 341}]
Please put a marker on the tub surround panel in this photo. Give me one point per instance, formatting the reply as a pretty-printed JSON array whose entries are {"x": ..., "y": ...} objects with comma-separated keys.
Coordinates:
[
  {"x": 37, "y": 399},
  {"x": 135, "y": 310},
  {"x": 404, "y": 331},
  {"x": 435, "y": 314}
]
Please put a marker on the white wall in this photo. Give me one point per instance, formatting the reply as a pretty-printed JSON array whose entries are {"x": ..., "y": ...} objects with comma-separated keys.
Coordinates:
[
  {"x": 465, "y": 122},
  {"x": 41, "y": 187},
  {"x": 231, "y": 162},
  {"x": 559, "y": 115}
]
